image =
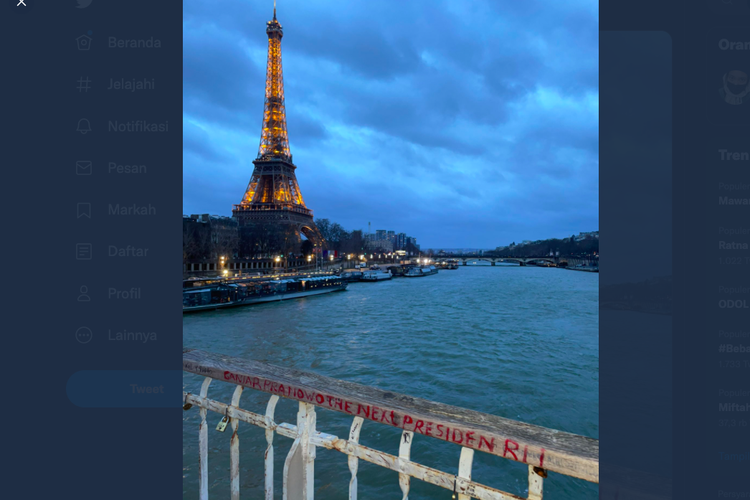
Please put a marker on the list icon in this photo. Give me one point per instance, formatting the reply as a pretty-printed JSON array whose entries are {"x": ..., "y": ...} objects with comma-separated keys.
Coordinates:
[{"x": 83, "y": 251}]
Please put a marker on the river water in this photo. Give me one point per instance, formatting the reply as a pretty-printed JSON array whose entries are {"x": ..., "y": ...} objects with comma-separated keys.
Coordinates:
[{"x": 518, "y": 342}]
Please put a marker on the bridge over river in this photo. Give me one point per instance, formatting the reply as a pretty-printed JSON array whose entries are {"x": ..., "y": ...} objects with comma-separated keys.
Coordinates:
[{"x": 556, "y": 260}]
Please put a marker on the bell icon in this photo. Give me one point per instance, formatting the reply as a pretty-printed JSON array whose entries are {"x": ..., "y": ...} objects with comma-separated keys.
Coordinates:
[{"x": 83, "y": 126}]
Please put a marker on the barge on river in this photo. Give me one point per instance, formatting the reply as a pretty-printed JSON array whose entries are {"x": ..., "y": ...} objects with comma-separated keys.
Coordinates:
[
  {"x": 418, "y": 272},
  {"x": 228, "y": 295},
  {"x": 352, "y": 276},
  {"x": 451, "y": 264},
  {"x": 377, "y": 275}
]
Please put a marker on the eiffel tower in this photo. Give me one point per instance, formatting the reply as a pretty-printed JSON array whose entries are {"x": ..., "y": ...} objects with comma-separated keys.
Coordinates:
[{"x": 273, "y": 195}]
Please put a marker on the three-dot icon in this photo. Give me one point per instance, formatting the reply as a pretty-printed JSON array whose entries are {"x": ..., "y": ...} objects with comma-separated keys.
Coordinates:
[{"x": 84, "y": 335}]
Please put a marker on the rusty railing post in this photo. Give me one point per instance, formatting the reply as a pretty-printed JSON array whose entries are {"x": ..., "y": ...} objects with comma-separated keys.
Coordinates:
[{"x": 299, "y": 467}]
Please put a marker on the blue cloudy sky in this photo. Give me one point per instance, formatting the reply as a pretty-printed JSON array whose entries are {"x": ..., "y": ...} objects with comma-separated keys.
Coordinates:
[{"x": 463, "y": 123}]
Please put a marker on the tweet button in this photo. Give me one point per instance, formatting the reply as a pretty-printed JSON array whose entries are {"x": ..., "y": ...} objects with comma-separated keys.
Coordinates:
[{"x": 126, "y": 389}]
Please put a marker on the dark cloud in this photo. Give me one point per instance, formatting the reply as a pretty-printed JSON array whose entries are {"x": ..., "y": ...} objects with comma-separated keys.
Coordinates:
[
  {"x": 462, "y": 123},
  {"x": 306, "y": 130},
  {"x": 196, "y": 141}
]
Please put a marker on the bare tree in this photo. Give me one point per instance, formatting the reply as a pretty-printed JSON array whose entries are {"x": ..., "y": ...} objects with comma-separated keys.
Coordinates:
[
  {"x": 266, "y": 239},
  {"x": 196, "y": 241},
  {"x": 324, "y": 226},
  {"x": 226, "y": 240}
]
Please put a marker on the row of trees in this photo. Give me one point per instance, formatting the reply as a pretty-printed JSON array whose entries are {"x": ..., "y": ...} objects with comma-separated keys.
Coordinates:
[
  {"x": 339, "y": 239},
  {"x": 212, "y": 238},
  {"x": 567, "y": 247},
  {"x": 354, "y": 242},
  {"x": 263, "y": 239},
  {"x": 208, "y": 240}
]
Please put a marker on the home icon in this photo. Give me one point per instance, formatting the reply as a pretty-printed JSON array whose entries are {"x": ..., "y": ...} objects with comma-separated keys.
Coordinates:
[{"x": 84, "y": 42}]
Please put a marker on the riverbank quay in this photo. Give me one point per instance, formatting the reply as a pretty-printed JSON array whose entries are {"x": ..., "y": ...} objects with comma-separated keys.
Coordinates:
[
  {"x": 540, "y": 450},
  {"x": 582, "y": 268}
]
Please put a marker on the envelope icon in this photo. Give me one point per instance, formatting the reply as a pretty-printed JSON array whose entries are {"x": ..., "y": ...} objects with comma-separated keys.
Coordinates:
[{"x": 83, "y": 168}]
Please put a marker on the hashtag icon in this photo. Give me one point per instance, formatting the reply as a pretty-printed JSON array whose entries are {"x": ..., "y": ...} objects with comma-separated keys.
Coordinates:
[
  {"x": 722, "y": 347},
  {"x": 84, "y": 85}
]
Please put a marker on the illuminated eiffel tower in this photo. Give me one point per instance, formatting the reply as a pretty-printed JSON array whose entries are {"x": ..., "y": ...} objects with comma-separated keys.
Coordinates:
[{"x": 273, "y": 195}]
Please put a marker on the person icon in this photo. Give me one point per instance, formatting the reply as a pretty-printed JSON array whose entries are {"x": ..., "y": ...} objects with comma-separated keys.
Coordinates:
[
  {"x": 736, "y": 87},
  {"x": 84, "y": 296}
]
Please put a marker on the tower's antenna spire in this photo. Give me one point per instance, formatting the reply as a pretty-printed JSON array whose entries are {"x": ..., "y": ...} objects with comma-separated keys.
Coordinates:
[{"x": 274, "y": 10}]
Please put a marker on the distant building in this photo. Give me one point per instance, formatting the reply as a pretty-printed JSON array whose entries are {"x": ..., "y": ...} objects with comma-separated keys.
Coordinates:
[
  {"x": 411, "y": 241},
  {"x": 587, "y": 235},
  {"x": 383, "y": 246},
  {"x": 209, "y": 237},
  {"x": 400, "y": 242},
  {"x": 389, "y": 240},
  {"x": 391, "y": 236}
]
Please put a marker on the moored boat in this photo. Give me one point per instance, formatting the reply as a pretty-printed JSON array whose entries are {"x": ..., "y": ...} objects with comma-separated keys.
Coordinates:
[
  {"x": 396, "y": 270},
  {"x": 376, "y": 275},
  {"x": 429, "y": 270},
  {"x": 352, "y": 276},
  {"x": 419, "y": 271},
  {"x": 240, "y": 294}
]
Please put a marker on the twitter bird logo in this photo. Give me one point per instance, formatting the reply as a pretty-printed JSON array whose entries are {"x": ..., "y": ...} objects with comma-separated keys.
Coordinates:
[{"x": 82, "y": 4}]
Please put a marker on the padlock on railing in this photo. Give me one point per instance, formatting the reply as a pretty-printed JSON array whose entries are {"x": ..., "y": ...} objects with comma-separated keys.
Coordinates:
[
  {"x": 187, "y": 405},
  {"x": 224, "y": 422}
]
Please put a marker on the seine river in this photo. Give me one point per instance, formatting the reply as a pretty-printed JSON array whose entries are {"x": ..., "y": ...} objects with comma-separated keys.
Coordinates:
[{"x": 518, "y": 342}]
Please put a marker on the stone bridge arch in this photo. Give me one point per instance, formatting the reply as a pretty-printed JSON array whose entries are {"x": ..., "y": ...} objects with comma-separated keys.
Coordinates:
[
  {"x": 516, "y": 260},
  {"x": 478, "y": 259}
]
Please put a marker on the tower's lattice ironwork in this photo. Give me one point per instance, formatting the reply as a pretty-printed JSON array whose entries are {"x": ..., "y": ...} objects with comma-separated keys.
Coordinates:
[
  {"x": 273, "y": 194},
  {"x": 274, "y": 141}
]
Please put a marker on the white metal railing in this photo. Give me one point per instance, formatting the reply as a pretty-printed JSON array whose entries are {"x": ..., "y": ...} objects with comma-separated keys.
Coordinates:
[{"x": 540, "y": 448}]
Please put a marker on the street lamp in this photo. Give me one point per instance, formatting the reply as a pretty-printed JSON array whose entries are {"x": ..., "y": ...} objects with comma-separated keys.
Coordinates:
[{"x": 278, "y": 259}]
